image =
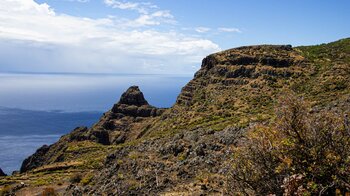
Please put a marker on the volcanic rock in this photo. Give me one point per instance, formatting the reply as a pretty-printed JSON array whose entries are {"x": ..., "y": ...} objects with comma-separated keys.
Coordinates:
[
  {"x": 132, "y": 103},
  {"x": 133, "y": 96}
]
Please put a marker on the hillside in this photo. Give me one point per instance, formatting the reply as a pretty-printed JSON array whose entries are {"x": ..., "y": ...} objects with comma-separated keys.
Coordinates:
[{"x": 187, "y": 149}]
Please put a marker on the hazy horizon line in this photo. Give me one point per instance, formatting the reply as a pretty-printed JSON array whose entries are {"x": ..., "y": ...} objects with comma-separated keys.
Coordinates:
[
  {"x": 95, "y": 74},
  {"x": 58, "y": 111}
]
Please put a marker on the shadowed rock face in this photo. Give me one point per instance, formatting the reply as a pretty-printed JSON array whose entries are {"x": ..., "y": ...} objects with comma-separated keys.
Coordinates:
[{"x": 2, "y": 173}]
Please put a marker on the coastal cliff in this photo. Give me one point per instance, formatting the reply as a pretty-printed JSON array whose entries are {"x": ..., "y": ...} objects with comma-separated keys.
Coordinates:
[{"x": 136, "y": 148}]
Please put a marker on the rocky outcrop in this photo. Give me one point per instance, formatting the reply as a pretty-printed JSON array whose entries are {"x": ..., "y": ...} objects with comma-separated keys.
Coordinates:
[
  {"x": 115, "y": 127},
  {"x": 131, "y": 109},
  {"x": 132, "y": 103},
  {"x": 133, "y": 96},
  {"x": 244, "y": 66},
  {"x": 2, "y": 173}
]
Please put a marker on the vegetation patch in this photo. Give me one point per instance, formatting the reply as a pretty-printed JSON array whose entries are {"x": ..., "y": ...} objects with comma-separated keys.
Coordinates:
[{"x": 299, "y": 153}]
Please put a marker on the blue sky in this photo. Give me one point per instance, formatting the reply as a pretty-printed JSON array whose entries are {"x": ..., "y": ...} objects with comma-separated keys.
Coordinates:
[{"x": 154, "y": 36}]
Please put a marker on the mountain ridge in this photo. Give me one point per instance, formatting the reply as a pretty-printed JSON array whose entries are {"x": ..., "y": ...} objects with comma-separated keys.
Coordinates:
[{"x": 136, "y": 148}]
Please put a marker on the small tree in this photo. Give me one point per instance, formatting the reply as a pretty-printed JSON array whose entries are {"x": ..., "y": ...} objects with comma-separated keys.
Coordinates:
[{"x": 301, "y": 152}]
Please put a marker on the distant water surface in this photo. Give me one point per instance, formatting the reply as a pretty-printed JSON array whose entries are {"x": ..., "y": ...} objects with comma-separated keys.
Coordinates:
[
  {"x": 15, "y": 148},
  {"x": 36, "y": 109},
  {"x": 23, "y": 131},
  {"x": 84, "y": 92}
]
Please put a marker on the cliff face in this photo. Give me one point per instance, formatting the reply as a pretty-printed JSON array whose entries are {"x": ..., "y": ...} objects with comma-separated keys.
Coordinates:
[
  {"x": 115, "y": 127},
  {"x": 245, "y": 65},
  {"x": 136, "y": 148},
  {"x": 237, "y": 86},
  {"x": 252, "y": 65}
]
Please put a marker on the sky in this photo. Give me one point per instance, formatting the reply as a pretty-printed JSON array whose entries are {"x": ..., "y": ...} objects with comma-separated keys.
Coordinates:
[{"x": 154, "y": 36}]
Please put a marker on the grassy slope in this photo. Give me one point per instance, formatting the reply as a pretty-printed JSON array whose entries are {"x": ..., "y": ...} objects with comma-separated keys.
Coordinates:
[{"x": 330, "y": 79}]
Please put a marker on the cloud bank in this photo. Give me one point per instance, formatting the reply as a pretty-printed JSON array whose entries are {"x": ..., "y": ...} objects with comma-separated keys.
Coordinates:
[{"x": 34, "y": 38}]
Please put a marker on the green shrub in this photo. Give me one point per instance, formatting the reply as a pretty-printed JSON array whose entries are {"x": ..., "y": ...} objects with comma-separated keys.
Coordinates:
[{"x": 301, "y": 153}]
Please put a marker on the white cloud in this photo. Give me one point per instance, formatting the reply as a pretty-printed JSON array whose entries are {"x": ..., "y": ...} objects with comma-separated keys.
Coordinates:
[
  {"x": 142, "y": 7},
  {"x": 202, "y": 29},
  {"x": 35, "y": 38},
  {"x": 150, "y": 14},
  {"x": 80, "y": 1},
  {"x": 230, "y": 30},
  {"x": 155, "y": 18},
  {"x": 121, "y": 5}
]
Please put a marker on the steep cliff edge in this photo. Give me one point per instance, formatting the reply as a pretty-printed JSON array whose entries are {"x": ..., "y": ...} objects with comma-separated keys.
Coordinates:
[
  {"x": 136, "y": 148},
  {"x": 240, "y": 85},
  {"x": 116, "y": 126}
]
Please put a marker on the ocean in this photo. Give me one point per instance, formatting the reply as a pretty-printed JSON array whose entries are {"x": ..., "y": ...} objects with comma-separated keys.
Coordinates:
[
  {"x": 37, "y": 109},
  {"x": 23, "y": 131}
]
